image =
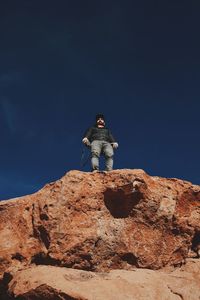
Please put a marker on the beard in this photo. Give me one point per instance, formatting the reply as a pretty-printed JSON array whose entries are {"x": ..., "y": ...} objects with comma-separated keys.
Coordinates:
[{"x": 100, "y": 123}]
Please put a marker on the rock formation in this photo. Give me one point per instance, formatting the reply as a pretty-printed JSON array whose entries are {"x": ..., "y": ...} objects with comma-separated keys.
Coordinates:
[{"x": 109, "y": 226}]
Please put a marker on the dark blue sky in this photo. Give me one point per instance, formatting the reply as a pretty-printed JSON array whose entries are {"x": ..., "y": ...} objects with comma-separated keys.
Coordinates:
[{"x": 61, "y": 62}]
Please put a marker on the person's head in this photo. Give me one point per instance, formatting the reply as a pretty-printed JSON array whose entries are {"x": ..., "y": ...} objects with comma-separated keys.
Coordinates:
[{"x": 100, "y": 120}]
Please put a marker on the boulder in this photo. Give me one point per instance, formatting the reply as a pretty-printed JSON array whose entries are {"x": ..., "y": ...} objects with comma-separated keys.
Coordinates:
[
  {"x": 49, "y": 282},
  {"x": 123, "y": 219}
]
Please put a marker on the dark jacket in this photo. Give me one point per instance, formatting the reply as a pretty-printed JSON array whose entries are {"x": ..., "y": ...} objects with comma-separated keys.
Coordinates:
[{"x": 100, "y": 134}]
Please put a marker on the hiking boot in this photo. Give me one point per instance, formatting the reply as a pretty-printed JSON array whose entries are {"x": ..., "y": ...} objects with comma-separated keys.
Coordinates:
[{"x": 95, "y": 170}]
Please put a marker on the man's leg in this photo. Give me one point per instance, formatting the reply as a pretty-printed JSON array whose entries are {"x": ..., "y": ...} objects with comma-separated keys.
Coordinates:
[
  {"x": 108, "y": 152},
  {"x": 96, "y": 151}
]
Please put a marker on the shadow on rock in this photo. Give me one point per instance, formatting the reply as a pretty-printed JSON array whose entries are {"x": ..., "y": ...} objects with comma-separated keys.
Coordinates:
[{"x": 121, "y": 201}]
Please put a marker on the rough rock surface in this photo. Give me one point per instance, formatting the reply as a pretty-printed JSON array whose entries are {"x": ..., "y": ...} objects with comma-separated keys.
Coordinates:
[
  {"x": 124, "y": 219},
  {"x": 48, "y": 282}
]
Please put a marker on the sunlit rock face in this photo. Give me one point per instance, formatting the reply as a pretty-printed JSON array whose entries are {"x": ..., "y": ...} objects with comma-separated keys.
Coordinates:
[
  {"x": 49, "y": 282},
  {"x": 123, "y": 219}
]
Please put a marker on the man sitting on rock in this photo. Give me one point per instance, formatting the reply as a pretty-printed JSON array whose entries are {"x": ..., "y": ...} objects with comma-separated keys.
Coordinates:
[{"x": 101, "y": 141}]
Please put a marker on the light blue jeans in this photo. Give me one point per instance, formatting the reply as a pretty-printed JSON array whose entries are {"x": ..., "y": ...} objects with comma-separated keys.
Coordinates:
[{"x": 105, "y": 148}]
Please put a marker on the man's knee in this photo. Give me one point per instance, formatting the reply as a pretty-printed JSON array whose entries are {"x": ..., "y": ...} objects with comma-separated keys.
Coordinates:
[
  {"x": 108, "y": 154},
  {"x": 95, "y": 153},
  {"x": 108, "y": 151}
]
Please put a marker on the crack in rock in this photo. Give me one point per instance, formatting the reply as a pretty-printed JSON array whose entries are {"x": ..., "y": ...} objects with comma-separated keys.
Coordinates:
[{"x": 175, "y": 293}]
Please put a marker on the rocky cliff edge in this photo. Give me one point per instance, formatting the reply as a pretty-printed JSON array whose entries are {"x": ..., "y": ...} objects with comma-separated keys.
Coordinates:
[{"x": 112, "y": 228}]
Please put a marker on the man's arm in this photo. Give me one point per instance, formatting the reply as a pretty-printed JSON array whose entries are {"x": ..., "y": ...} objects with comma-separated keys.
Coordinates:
[
  {"x": 88, "y": 133},
  {"x": 111, "y": 137},
  {"x": 87, "y": 136},
  {"x": 112, "y": 140}
]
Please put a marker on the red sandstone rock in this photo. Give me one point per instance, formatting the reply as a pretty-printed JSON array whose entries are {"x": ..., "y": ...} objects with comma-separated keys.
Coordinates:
[
  {"x": 48, "y": 282},
  {"x": 97, "y": 222}
]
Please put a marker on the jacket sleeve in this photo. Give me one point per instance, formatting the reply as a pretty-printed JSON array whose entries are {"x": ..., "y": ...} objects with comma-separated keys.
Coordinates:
[
  {"x": 88, "y": 133},
  {"x": 111, "y": 137}
]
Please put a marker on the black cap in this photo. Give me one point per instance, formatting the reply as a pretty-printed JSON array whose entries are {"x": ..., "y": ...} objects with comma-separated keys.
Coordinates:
[{"x": 98, "y": 116}]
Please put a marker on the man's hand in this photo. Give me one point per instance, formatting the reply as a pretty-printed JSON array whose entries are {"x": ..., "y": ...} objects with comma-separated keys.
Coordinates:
[
  {"x": 115, "y": 145},
  {"x": 86, "y": 141}
]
